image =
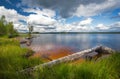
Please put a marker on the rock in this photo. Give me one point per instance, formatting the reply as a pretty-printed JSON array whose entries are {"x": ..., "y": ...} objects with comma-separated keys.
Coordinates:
[
  {"x": 90, "y": 56},
  {"x": 28, "y": 43},
  {"x": 23, "y": 41},
  {"x": 104, "y": 50}
]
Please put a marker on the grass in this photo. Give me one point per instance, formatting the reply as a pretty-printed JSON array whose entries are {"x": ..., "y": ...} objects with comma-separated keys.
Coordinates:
[
  {"x": 108, "y": 68},
  {"x": 23, "y": 35},
  {"x": 6, "y": 41},
  {"x": 13, "y": 59}
]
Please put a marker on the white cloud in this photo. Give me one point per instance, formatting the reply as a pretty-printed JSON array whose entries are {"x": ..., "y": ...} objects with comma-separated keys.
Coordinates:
[
  {"x": 84, "y": 25},
  {"x": 102, "y": 27},
  {"x": 43, "y": 21},
  {"x": 86, "y": 21},
  {"x": 81, "y": 26},
  {"x": 43, "y": 17},
  {"x": 46, "y": 12},
  {"x": 21, "y": 27},
  {"x": 95, "y": 9},
  {"x": 39, "y": 29},
  {"x": 11, "y": 15},
  {"x": 112, "y": 27},
  {"x": 37, "y": 19},
  {"x": 119, "y": 13}
]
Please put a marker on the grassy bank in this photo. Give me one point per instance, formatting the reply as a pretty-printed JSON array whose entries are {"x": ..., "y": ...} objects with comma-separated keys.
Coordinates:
[
  {"x": 13, "y": 59},
  {"x": 108, "y": 68}
]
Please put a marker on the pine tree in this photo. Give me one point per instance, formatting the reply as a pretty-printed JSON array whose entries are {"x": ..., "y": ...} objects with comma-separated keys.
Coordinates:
[{"x": 3, "y": 30}]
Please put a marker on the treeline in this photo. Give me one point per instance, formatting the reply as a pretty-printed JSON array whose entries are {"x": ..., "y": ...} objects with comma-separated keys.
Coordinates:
[{"x": 7, "y": 28}]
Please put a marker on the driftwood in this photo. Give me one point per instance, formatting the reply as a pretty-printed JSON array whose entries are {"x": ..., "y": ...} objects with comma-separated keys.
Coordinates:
[
  {"x": 26, "y": 41},
  {"x": 23, "y": 41},
  {"x": 73, "y": 57}
]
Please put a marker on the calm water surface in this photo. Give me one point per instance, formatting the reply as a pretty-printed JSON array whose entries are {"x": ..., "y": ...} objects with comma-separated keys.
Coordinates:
[{"x": 77, "y": 41}]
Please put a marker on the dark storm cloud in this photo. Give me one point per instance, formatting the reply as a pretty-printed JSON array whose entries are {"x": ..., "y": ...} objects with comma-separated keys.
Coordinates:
[{"x": 65, "y": 6}]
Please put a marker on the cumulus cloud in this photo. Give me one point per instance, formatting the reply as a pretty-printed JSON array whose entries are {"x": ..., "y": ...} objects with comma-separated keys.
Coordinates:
[
  {"x": 112, "y": 27},
  {"x": 80, "y": 26},
  {"x": 36, "y": 19},
  {"x": 84, "y": 25},
  {"x": 77, "y": 27},
  {"x": 102, "y": 27},
  {"x": 79, "y": 7},
  {"x": 43, "y": 17},
  {"x": 42, "y": 20},
  {"x": 94, "y": 8},
  {"x": 46, "y": 12},
  {"x": 20, "y": 27},
  {"x": 86, "y": 22},
  {"x": 115, "y": 26},
  {"x": 11, "y": 15}
]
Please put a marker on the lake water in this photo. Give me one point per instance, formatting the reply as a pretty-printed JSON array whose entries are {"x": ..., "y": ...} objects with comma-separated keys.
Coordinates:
[{"x": 77, "y": 42}]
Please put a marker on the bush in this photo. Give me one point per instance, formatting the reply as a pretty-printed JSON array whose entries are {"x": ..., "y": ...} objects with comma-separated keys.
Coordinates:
[{"x": 7, "y": 28}]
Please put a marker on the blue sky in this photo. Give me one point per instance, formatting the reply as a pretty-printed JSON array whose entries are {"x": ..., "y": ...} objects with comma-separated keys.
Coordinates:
[{"x": 63, "y": 15}]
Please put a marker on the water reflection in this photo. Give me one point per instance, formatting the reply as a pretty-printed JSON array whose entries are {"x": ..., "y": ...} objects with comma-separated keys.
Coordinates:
[
  {"x": 78, "y": 41},
  {"x": 70, "y": 43}
]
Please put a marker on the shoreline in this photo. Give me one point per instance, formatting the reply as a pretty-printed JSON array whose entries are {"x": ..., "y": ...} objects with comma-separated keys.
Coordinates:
[{"x": 74, "y": 33}]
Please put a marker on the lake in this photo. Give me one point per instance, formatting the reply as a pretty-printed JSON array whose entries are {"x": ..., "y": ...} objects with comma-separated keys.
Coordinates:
[{"x": 76, "y": 42}]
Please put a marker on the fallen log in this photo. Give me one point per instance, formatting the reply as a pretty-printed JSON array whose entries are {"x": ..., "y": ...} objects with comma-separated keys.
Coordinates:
[{"x": 72, "y": 57}]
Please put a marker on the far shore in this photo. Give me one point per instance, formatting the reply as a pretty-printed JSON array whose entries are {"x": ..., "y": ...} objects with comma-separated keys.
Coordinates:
[{"x": 74, "y": 33}]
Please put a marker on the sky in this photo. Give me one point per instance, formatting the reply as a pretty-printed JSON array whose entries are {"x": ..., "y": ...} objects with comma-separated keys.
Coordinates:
[{"x": 63, "y": 15}]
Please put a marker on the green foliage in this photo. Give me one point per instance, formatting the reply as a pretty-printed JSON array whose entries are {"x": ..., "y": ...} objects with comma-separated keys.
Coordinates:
[
  {"x": 2, "y": 26},
  {"x": 13, "y": 60},
  {"x": 4, "y": 42},
  {"x": 11, "y": 31},
  {"x": 105, "y": 69},
  {"x": 7, "y": 28},
  {"x": 30, "y": 30}
]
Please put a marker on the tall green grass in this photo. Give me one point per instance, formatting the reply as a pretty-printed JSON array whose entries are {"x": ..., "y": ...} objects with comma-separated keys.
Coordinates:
[
  {"x": 108, "y": 68},
  {"x": 5, "y": 41},
  {"x": 13, "y": 59}
]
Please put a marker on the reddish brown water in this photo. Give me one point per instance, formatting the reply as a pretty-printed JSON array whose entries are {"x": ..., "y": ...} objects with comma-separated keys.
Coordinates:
[
  {"x": 53, "y": 46},
  {"x": 50, "y": 52}
]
